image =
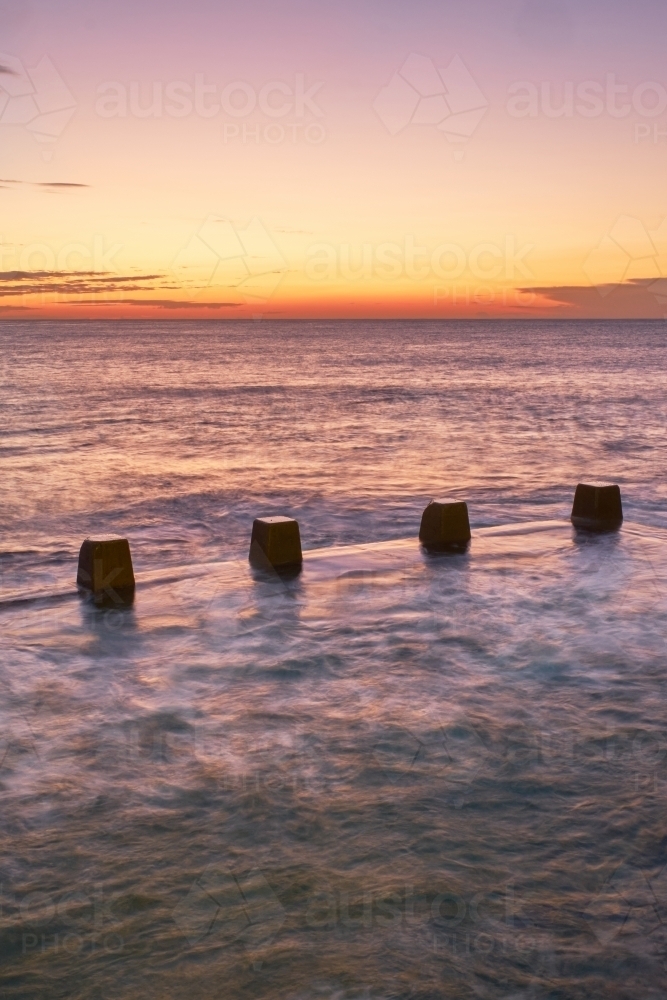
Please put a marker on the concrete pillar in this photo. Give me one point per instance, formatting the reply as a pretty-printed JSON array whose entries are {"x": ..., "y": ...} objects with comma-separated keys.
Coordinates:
[
  {"x": 445, "y": 526},
  {"x": 597, "y": 507},
  {"x": 105, "y": 571},
  {"x": 275, "y": 543}
]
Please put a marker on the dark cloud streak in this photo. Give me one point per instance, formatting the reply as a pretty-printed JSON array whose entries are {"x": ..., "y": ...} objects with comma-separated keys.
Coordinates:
[
  {"x": 163, "y": 303},
  {"x": 49, "y": 185},
  {"x": 637, "y": 299},
  {"x": 59, "y": 275},
  {"x": 14, "y": 283}
]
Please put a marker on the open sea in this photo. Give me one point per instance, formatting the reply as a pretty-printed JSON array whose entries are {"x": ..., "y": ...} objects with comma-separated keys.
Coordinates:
[{"x": 391, "y": 777}]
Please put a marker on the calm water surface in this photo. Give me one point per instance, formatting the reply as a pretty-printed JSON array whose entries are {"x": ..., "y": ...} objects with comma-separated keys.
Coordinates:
[{"x": 393, "y": 776}]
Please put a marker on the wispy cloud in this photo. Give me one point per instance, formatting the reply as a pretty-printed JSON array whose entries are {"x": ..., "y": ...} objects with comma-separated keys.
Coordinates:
[
  {"x": 45, "y": 275},
  {"x": 49, "y": 185},
  {"x": 14, "y": 283},
  {"x": 88, "y": 288},
  {"x": 166, "y": 303},
  {"x": 60, "y": 184}
]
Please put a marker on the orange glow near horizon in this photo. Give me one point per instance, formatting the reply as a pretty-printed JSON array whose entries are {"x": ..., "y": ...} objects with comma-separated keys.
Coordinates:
[{"x": 270, "y": 170}]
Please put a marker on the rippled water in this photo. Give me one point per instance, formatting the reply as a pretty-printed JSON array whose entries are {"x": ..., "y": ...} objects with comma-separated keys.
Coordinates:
[{"x": 393, "y": 776}]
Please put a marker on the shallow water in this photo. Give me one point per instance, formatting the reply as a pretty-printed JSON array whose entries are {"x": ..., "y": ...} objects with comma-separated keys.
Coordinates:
[{"x": 391, "y": 776}]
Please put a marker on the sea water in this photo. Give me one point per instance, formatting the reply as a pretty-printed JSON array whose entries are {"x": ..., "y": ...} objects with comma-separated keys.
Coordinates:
[{"x": 390, "y": 776}]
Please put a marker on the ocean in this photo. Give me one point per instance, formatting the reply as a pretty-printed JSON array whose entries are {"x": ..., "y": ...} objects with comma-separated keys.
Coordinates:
[{"x": 391, "y": 776}]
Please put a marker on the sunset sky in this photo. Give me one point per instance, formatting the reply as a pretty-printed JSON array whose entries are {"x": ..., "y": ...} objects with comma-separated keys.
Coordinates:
[{"x": 496, "y": 158}]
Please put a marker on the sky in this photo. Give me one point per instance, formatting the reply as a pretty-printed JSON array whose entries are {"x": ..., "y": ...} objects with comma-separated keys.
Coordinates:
[{"x": 352, "y": 159}]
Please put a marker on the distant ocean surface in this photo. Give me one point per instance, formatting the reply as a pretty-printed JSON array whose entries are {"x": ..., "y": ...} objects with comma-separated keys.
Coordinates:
[{"x": 393, "y": 776}]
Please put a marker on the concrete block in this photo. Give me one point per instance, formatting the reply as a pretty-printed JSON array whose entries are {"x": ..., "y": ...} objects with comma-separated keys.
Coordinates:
[
  {"x": 597, "y": 507},
  {"x": 276, "y": 543},
  {"x": 445, "y": 526},
  {"x": 105, "y": 571}
]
